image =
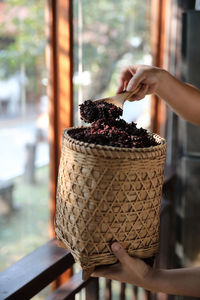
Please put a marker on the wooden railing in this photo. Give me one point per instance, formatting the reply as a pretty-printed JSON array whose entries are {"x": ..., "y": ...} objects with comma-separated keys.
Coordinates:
[{"x": 31, "y": 274}]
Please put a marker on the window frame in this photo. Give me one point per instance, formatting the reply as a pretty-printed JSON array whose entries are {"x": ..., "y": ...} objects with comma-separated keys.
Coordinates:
[
  {"x": 59, "y": 61},
  {"x": 59, "y": 54}
]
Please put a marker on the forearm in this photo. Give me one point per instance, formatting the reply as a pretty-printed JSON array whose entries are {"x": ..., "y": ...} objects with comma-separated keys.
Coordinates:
[
  {"x": 183, "y": 98},
  {"x": 185, "y": 282}
]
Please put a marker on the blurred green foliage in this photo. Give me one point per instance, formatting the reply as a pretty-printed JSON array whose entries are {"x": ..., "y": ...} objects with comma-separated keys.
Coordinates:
[
  {"x": 25, "y": 228},
  {"x": 26, "y": 36},
  {"x": 113, "y": 34},
  {"x": 110, "y": 30}
]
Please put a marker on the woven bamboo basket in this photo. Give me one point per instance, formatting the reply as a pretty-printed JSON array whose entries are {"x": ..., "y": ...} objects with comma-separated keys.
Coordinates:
[{"x": 107, "y": 194}]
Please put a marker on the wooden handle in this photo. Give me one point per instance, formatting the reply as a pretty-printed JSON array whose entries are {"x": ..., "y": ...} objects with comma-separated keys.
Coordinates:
[
  {"x": 130, "y": 94},
  {"x": 120, "y": 98}
]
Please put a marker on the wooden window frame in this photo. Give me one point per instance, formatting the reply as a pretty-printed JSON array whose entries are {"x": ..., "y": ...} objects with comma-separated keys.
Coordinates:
[
  {"x": 59, "y": 61},
  {"x": 160, "y": 42}
]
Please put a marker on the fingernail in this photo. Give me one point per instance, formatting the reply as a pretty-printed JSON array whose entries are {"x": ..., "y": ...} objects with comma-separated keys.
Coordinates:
[
  {"x": 116, "y": 247},
  {"x": 119, "y": 90}
]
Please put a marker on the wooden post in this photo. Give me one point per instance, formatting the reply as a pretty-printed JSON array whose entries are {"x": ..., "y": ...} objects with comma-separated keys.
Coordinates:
[
  {"x": 108, "y": 291},
  {"x": 92, "y": 289},
  {"x": 122, "y": 291},
  {"x": 160, "y": 11},
  {"x": 59, "y": 61},
  {"x": 59, "y": 57}
]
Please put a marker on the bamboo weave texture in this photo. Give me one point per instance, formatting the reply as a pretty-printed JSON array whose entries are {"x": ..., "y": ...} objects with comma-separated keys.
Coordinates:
[{"x": 107, "y": 194}]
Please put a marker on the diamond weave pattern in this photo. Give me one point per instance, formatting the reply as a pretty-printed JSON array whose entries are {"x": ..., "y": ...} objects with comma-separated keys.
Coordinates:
[{"x": 105, "y": 198}]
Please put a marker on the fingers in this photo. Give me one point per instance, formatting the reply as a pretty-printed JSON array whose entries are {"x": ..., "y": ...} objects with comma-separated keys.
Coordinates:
[
  {"x": 124, "y": 78},
  {"x": 130, "y": 78},
  {"x": 109, "y": 272},
  {"x": 136, "y": 79},
  {"x": 114, "y": 271},
  {"x": 120, "y": 253},
  {"x": 141, "y": 93},
  {"x": 128, "y": 269}
]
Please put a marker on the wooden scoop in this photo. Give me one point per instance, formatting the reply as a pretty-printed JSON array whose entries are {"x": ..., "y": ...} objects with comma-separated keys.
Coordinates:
[{"x": 119, "y": 99}]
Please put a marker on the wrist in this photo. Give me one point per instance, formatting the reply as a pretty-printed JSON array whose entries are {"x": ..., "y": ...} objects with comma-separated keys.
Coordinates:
[
  {"x": 152, "y": 279},
  {"x": 162, "y": 78}
]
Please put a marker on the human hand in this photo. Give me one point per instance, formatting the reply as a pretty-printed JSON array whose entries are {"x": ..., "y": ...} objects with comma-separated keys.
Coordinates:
[
  {"x": 128, "y": 269},
  {"x": 146, "y": 77}
]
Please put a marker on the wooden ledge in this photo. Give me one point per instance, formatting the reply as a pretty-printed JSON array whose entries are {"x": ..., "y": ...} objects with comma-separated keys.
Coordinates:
[{"x": 35, "y": 271}]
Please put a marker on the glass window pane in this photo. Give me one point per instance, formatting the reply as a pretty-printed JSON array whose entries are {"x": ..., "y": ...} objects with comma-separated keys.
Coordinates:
[
  {"x": 109, "y": 35},
  {"x": 24, "y": 151}
]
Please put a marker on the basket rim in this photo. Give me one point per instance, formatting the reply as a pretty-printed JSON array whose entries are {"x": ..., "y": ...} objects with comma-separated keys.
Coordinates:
[{"x": 67, "y": 137}]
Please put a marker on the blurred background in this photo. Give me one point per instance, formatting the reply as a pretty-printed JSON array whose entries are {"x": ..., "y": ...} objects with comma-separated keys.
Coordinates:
[
  {"x": 108, "y": 36},
  {"x": 24, "y": 150}
]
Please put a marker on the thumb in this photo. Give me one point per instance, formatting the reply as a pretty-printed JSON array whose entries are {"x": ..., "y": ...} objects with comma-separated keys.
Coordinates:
[
  {"x": 120, "y": 253},
  {"x": 135, "y": 81}
]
